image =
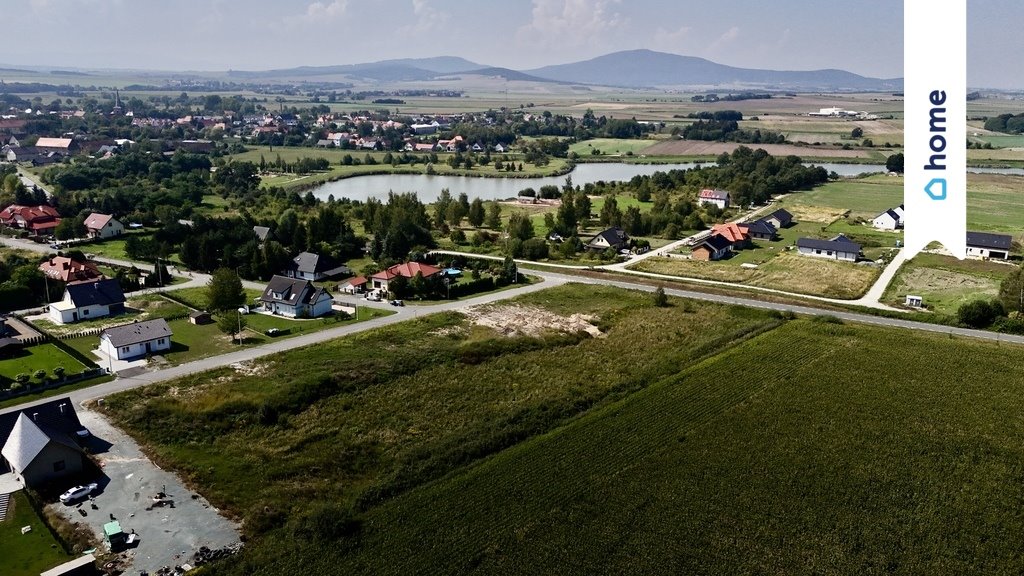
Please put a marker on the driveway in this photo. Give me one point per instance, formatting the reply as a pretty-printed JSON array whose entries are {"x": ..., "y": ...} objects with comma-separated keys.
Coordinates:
[{"x": 168, "y": 536}]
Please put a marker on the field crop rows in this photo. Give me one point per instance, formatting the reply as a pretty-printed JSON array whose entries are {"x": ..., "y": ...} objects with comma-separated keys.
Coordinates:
[{"x": 815, "y": 448}]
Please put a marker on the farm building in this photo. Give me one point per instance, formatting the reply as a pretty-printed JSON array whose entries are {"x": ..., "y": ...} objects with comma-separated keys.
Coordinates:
[
  {"x": 839, "y": 248},
  {"x": 88, "y": 300},
  {"x": 407, "y": 270},
  {"x": 718, "y": 198},
  {"x": 614, "y": 237},
  {"x": 780, "y": 219},
  {"x": 733, "y": 233},
  {"x": 985, "y": 245},
  {"x": 39, "y": 443},
  {"x": 103, "y": 226},
  {"x": 312, "y": 266},
  {"x": 888, "y": 220},
  {"x": 759, "y": 229},
  {"x": 714, "y": 247},
  {"x": 295, "y": 298},
  {"x": 136, "y": 339}
]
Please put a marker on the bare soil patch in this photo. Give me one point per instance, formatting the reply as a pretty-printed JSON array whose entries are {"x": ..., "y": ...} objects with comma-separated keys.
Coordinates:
[{"x": 519, "y": 320}]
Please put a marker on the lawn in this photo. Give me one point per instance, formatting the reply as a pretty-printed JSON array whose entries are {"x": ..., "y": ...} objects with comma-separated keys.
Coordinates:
[
  {"x": 302, "y": 443},
  {"x": 865, "y": 197},
  {"x": 196, "y": 297},
  {"x": 40, "y": 357},
  {"x": 610, "y": 146},
  {"x": 944, "y": 282},
  {"x": 785, "y": 271},
  {"x": 812, "y": 449},
  {"x": 137, "y": 308},
  {"x": 31, "y": 553}
]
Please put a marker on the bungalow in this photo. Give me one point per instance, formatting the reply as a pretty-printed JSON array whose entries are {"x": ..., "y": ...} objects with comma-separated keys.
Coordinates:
[
  {"x": 136, "y": 339},
  {"x": 39, "y": 443},
  {"x": 103, "y": 226},
  {"x": 888, "y": 220},
  {"x": 780, "y": 219},
  {"x": 839, "y": 248},
  {"x": 312, "y": 266},
  {"x": 900, "y": 212},
  {"x": 733, "y": 233},
  {"x": 714, "y": 247},
  {"x": 407, "y": 270},
  {"x": 759, "y": 229},
  {"x": 355, "y": 285},
  {"x": 88, "y": 300},
  {"x": 64, "y": 269},
  {"x": 65, "y": 145},
  {"x": 984, "y": 245},
  {"x": 614, "y": 237},
  {"x": 718, "y": 198},
  {"x": 502, "y": 148},
  {"x": 39, "y": 220},
  {"x": 295, "y": 298}
]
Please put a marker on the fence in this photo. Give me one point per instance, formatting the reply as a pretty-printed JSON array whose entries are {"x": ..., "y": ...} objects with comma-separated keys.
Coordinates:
[{"x": 87, "y": 374}]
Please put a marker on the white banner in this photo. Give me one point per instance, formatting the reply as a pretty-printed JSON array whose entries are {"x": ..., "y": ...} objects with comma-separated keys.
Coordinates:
[{"x": 935, "y": 124}]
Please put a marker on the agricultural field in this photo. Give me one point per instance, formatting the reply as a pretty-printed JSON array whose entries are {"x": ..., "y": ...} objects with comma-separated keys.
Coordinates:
[
  {"x": 815, "y": 448},
  {"x": 611, "y": 147},
  {"x": 944, "y": 282},
  {"x": 301, "y": 444},
  {"x": 780, "y": 270},
  {"x": 31, "y": 553},
  {"x": 994, "y": 204}
]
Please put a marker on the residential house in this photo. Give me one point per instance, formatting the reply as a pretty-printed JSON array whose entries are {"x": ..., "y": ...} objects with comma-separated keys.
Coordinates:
[
  {"x": 64, "y": 269},
  {"x": 312, "y": 266},
  {"x": 714, "y": 247},
  {"x": 733, "y": 233},
  {"x": 295, "y": 298},
  {"x": 262, "y": 233},
  {"x": 136, "y": 339},
  {"x": 407, "y": 270},
  {"x": 39, "y": 220},
  {"x": 839, "y": 248},
  {"x": 88, "y": 300},
  {"x": 355, "y": 285},
  {"x": 985, "y": 245},
  {"x": 103, "y": 226},
  {"x": 40, "y": 442},
  {"x": 502, "y": 148},
  {"x": 900, "y": 212},
  {"x": 888, "y": 220},
  {"x": 614, "y": 237},
  {"x": 780, "y": 219},
  {"x": 718, "y": 198},
  {"x": 759, "y": 229},
  {"x": 63, "y": 145}
]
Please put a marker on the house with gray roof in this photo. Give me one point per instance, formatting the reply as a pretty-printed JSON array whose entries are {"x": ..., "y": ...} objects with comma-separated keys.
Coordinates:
[
  {"x": 88, "y": 300},
  {"x": 839, "y": 248},
  {"x": 295, "y": 298},
  {"x": 39, "y": 442},
  {"x": 313, "y": 266},
  {"x": 985, "y": 245},
  {"x": 136, "y": 339}
]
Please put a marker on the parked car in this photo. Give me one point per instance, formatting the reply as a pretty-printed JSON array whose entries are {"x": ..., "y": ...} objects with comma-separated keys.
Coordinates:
[
  {"x": 77, "y": 493},
  {"x": 272, "y": 332},
  {"x": 397, "y": 303}
]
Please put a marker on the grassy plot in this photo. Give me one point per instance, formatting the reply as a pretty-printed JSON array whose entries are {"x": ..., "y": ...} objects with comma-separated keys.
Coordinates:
[
  {"x": 31, "y": 553},
  {"x": 785, "y": 271},
  {"x": 864, "y": 197},
  {"x": 813, "y": 449},
  {"x": 610, "y": 146},
  {"x": 137, "y": 308},
  {"x": 40, "y": 357},
  {"x": 944, "y": 282},
  {"x": 300, "y": 438},
  {"x": 994, "y": 204}
]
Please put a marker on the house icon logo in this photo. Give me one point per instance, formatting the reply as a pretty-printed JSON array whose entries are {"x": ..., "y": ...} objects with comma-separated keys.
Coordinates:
[{"x": 936, "y": 189}]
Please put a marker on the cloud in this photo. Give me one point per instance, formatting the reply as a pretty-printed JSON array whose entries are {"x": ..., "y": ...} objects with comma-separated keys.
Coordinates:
[
  {"x": 727, "y": 38},
  {"x": 319, "y": 12},
  {"x": 571, "y": 23},
  {"x": 428, "y": 19}
]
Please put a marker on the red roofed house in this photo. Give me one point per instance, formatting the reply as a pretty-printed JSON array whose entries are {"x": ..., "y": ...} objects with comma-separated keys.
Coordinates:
[
  {"x": 733, "y": 233},
  {"x": 356, "y": 285},
  {"x": 408, "y": 270},
  {"x": 40, "y": 220},
  {"x": 103, "y": 226},
  {"x": 65, "y": 269},
  {"x": 719, "y": 198}
]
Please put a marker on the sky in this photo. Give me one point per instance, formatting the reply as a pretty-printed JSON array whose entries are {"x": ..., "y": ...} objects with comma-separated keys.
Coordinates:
[{"x": 861, "y": 36}]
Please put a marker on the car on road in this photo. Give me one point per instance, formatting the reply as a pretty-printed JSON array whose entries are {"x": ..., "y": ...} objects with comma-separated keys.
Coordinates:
[
  {"x": 77, "y": 493},
  {"x": 397, "y": 303}
]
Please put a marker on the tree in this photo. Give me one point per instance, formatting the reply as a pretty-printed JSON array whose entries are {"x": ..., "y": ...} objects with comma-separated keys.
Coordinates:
[
  {"x": 894, "y": 163},
  {"x": 857, "y": 132},
  {"x": 399, "y": 287},
  {"x": 476, "y": 213},
  {"x": 519, "y": 226},
  {"x": 979, "y": 313},
  {"x": 224, "y": 291},
  {"x": 231, "y": 323},
  {"x": 1011, "y": 292},
  {"x": 494, "y": 215},
  {"x": 660, "y": 299}
]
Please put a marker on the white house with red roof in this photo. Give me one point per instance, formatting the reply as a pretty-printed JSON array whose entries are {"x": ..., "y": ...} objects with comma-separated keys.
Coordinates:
[
  {"x": 103, "y": 226},
  {"x": 39, "y": 220},
  {"x": 719, "y": 198},
  {"x": 408, "y": 270}
]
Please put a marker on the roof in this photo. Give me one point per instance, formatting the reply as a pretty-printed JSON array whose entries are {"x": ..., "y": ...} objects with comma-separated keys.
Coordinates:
[
  {"x": 67, "y": 270},
  {"x": 97, "y": 221},
  {"x": 759, "y": 227},
  {"x": 834, "y": 245},
  {"x": 53, "y": 143},
  {"x": 891, "y": 213},
  {"x": 842, "y": 238},
  {"x": 313, "y": 263},
  {"x": 731, "y": 231},
  {"x": 29, "y": 213},
  {"x": 357, "y": 281},
  {"x": 716, "y": 242},
  {"x": 137, "y": 332},
  {"x": 261, "y": 232},
  {"x": 28, "y": 438},
  {"x": 291, "y": 291},
  {"x": 199, "y": 314},
  {"x": 613, "y": 236},
  {"x": 709, "y": 194},
  {"x": 56, "y": 415},
  {"x": 98, "y": 292},
  {"x": 112, "y": 528},
  {"x": 987, "y": 240},
  {"x": 70, "y": 565},
  {"x": 782, "y": 215},
  {"x": 407, "y": 269}
]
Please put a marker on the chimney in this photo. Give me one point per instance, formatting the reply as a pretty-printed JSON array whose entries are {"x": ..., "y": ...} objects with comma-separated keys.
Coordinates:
[
  {"x": 35, "y": 416},
  {"x": 61, "y": 407}
]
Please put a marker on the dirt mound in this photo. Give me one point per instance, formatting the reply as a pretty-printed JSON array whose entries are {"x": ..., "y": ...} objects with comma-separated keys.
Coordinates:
[{"x": 518, "y": 320}]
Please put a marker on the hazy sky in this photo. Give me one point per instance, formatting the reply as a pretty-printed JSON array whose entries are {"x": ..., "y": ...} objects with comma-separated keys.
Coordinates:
[{"x": 862, "y": 36}]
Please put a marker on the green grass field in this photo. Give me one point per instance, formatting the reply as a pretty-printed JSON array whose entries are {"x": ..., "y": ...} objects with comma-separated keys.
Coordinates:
[
  {"x": 316, "y": 433},
  {"x": 39, "y": 357},
  {"x": 31, "y": 553},
  {"x": 137, "y": 308},
  {"x": 944, "y": 282},
  {"x": 610, "y": 147},
  {"x": 865, "y": 197},
  {"x": 812, "y": 449}
]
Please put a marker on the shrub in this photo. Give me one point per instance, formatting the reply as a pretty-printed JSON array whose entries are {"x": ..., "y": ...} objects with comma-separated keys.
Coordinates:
[
  {"x": 660, "y": 298},
  {"x": 22, "y": 378},
  {"x": 58, "y": 372},
  {"x": 979, "y": 313}
]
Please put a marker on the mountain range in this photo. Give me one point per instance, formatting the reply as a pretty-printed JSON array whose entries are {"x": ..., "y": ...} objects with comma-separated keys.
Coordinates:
[{"x": 628, "y": 69}]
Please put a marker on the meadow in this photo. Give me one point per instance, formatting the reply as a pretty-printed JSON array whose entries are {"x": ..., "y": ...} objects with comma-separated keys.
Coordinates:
[
  {"x": 302, "y": 444},
  {"x": 944, "y": 282}
]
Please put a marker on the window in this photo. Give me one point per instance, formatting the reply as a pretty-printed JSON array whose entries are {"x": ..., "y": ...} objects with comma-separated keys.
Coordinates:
[
  {"x": 125, "y": 349},
  {"x": 85, "y": 312},
  {"x": 160, "y": 341},
  {"x": 829, "y": 252},
  {"x": 58, "y": 466}
]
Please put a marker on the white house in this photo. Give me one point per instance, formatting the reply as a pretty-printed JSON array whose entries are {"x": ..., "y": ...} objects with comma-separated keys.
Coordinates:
[
  {"x": 295, "y": 298},
  {"x": 87, "y": 300},
  {"x": 985, "y": 246},
  {"x": 313, "y": 266},
  {"x": 719, "y": 198},
  {"x": 615, "y": 238},
  {"x": 888, "y": 220},
  {"x": 136, "y": 339},
  {"x": 836, "y": 249},
  {"x": 103, "y": 226}
]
